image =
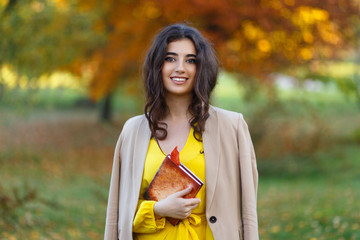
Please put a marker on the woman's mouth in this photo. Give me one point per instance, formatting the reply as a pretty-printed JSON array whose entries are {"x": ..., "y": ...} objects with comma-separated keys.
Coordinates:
[{"x": 178, "y": 80}]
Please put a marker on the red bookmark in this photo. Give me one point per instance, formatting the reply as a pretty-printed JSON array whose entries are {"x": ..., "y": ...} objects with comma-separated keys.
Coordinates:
[{"x": 174, "y": 156}]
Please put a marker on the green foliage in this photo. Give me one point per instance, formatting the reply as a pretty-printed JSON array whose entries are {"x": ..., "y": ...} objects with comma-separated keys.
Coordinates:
[
  {"x": 294, "y": 123},
  {"x": 347, "y": 85},
  {"x": 28, "y": 99},
  {"x": 38, "y": 38}
]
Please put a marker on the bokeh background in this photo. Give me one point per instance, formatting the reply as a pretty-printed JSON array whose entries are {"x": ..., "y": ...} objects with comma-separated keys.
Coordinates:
[{"x": 70, "y": 75}]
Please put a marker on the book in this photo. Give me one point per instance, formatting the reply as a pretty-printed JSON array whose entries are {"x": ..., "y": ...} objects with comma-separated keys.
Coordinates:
[{"x": 171, "y": 178}]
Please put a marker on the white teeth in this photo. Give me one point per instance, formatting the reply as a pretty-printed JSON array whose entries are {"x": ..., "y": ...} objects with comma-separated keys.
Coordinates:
[{"x": 179, "y": 79}]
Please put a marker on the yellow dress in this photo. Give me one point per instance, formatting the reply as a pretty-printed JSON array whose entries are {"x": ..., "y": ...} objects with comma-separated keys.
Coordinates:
[{"x": 195, "y": 227}]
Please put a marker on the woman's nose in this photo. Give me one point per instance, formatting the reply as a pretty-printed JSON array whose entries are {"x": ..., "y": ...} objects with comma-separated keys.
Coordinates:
[{"x": 180, "y": 67}]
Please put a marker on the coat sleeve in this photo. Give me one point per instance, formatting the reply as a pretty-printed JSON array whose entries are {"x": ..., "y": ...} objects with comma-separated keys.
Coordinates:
[
  {"x": 111, "y": 226},
  {"x": 249, "y": 182}
]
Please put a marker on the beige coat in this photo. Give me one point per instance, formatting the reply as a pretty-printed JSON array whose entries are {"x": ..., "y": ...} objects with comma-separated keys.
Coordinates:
[{"x": 231, "y": 177}]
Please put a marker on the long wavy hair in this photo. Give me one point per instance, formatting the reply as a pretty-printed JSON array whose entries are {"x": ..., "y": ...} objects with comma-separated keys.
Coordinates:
[{"x": 205, "y": 80}]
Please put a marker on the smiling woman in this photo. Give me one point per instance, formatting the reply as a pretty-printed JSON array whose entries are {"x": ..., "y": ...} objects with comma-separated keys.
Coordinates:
[
  {"x": 179, "y": 69},
  {"x": 180, "y": 72}
]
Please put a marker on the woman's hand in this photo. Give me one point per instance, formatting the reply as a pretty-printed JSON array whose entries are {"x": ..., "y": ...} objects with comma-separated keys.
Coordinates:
[{"x": 176, "y": 206}]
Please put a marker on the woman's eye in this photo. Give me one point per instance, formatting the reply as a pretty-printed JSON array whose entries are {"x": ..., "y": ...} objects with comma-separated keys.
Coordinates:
[
  {"x": 191, "y": 60},
  {"x": 169, "y": 59}
]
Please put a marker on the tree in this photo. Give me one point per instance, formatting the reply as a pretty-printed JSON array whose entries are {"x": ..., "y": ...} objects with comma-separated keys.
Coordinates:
[
  {"x": 251, "y": 37},
  {"x": 37, "y": 37}
]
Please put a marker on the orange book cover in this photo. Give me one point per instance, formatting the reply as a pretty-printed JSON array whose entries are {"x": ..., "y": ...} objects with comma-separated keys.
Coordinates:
[{"x": 171, "y": 178}]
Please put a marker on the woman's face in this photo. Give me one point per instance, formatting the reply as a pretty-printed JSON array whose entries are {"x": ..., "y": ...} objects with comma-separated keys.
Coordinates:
[{"x": 179, "y": 69}]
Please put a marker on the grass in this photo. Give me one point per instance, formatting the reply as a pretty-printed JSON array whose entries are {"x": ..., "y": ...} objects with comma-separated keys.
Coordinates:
[
  {"x": 64, "y": 156},
  {"x": 318, "y": 201},
  {"x": 308, "y": 209}
]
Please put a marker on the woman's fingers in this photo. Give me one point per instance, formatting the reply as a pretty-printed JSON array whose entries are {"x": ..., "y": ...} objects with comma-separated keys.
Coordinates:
[
  {"x": 191, "y": 201},
  {"x": 182, "y": 192}
]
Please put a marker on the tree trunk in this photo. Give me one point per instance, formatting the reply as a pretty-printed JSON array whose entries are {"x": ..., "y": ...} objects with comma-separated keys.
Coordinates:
[
  {"x": 105, "y": 109},
  {"x": 11, "y": 4}
]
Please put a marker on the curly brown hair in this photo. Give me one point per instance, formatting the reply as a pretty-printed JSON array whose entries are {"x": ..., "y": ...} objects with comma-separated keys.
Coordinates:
[{"x": 205, "y": 80}]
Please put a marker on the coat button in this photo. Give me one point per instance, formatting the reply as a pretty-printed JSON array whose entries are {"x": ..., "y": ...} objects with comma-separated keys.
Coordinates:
[{"x": 213, "y": 219}]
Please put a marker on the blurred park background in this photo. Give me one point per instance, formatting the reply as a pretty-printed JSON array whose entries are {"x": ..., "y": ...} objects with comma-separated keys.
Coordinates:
[{"x": 70, "y": 75}]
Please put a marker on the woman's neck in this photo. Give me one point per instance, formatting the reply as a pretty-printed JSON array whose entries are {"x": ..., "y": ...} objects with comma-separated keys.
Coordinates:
[{"x": 178, "y": 108}]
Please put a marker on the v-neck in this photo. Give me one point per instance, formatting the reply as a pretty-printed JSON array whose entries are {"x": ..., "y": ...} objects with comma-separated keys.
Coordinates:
[{"x": 182, "y": 150}]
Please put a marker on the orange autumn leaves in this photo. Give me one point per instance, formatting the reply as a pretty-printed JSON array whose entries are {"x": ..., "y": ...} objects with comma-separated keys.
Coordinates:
[{"x": 251, "y": 37}]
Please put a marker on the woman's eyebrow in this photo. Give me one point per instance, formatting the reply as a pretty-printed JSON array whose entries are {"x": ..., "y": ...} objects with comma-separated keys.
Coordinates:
[
  {"x": 175, "y": 54},
  {"x": 171, "y": 53}
]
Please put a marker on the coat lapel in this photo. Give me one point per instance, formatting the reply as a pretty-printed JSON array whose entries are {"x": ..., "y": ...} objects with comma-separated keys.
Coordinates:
[
  {"x": 140, "y": 150},
  {"x": 211, "y": 142}
]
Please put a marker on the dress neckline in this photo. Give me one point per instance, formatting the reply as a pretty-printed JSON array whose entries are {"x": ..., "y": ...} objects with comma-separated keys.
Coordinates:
[{"x": 183, "y": 149}]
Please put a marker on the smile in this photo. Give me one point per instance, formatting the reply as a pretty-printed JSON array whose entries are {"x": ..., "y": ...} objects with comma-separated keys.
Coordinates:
[{"x": 179, "y": 79}]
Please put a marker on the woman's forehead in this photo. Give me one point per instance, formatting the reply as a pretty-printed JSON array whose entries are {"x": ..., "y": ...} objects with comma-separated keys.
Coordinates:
[{"x": 181, "y": 46}]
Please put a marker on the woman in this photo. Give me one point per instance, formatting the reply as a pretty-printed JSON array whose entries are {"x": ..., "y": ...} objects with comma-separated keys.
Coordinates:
[{"x": 180, "y": 72}]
